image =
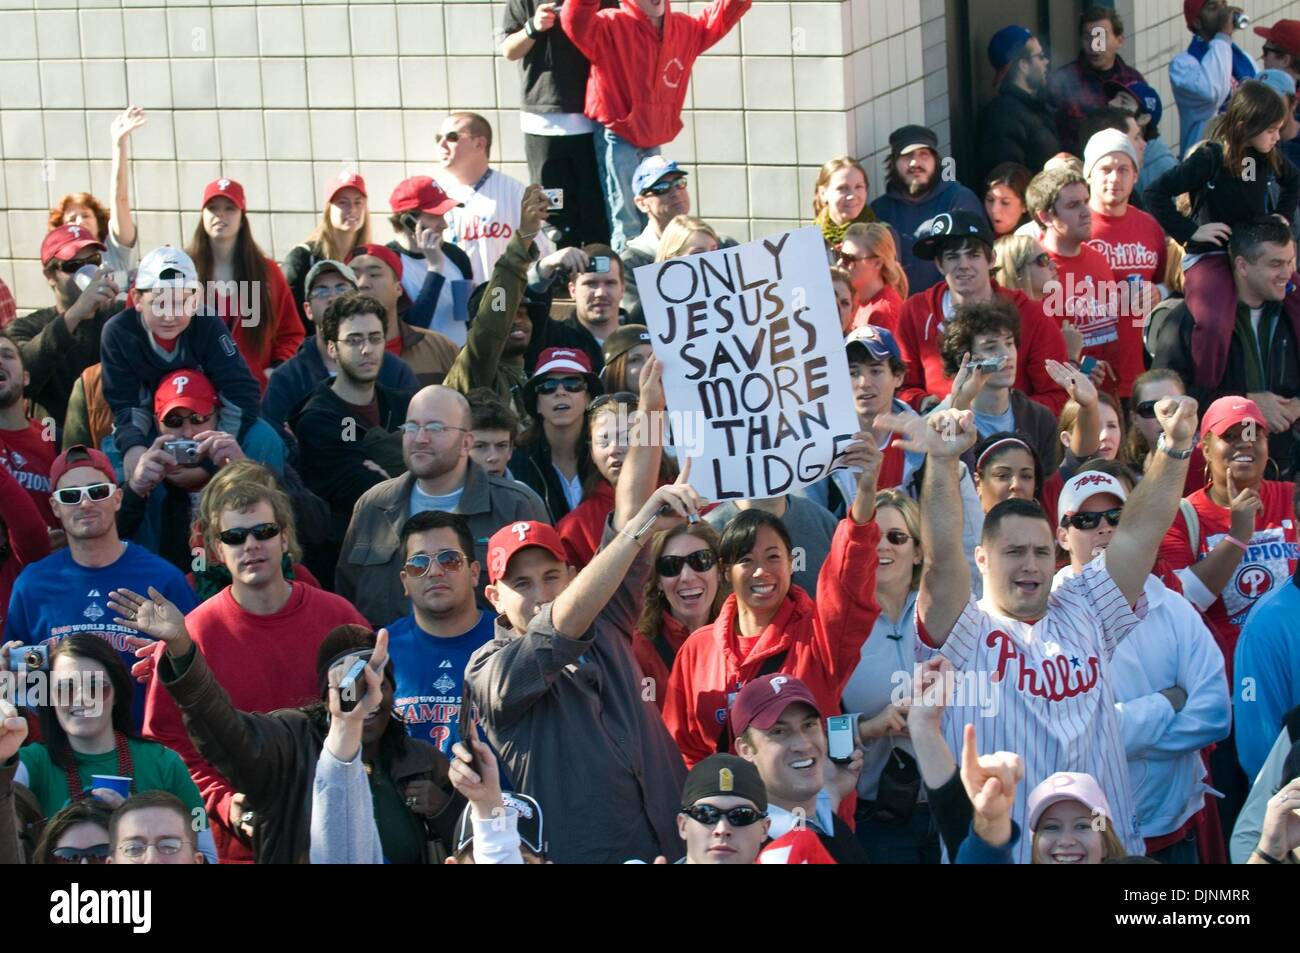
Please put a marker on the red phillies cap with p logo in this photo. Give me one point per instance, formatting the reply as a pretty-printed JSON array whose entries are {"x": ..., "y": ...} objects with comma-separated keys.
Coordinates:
[
  {"x": 63, "y": 243},
  {"x": 513, "y": 537},
  {"x": 762, "y": 701},
  {"x": 225, "y": 188},
  {"x": 344, "y": 180},
  {"x": 188, "y": 389},
  {"x": 420, "y": 194}
]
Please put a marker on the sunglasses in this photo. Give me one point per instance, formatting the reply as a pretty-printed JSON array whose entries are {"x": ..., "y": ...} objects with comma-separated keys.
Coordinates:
[
  {"x": 702, "y": 560},
  {"x": 572, "y": 385},
  {"x": 98, "y": 854},
  {"x": 452, "y": 136},
  {"x": 73, "y": 495},
  {"x": 74, "y": 266},
  {"x": 708, "y": 815},
  {"x": 261, "y": 532},
  {"x": 897, "y": 537},
  {"x": 176, "y": 419},
  {"x": 1146, "y": 409},
  {"x": 1093, "y": 520},
  {"x": 621, "y": 397},
  {"x": 664, "y": 187},
  {"x": 449, "y": 560},
  {"x": 850, "y": 260},
  {"x": 1275, "y": 51}
]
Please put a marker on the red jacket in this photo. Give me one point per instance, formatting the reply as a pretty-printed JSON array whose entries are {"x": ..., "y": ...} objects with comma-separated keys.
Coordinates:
[
  {"x": 638, "y": 79},
  {"x": 651, "y": 662},
  {"x": 289, "y": 332},
  {"x": 823, "y": 640},
  {"x": 920, "y": 332},
  {"x": 583, "y": 526}
]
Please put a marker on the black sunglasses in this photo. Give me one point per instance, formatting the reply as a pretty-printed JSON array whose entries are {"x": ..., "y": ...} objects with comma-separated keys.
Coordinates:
[
  {"x": 1093, "y": 520},
  {"x": 708, "y": 815},
  {"x": 177, "y": 419},
  {"x": 261, "y": 532},
  {"x": 664, "y": 186},
  {"x": 1147, "y": 409},
  {"x": 621, "y": 397},
  {"x": 574, "y": 385},
  {"x": 897, "y": 537},
  {"x": 450, "y": 560},
  {"x": 702, "y": 560},
  {"x": 74, "y": 266},
  {"x": 98, "y": 854}
]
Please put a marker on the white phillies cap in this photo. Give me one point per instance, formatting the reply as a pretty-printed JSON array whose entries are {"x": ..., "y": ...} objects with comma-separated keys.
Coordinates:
[
  {"x": 161, "y": 260},
  {"x": 1079, "y": 489}
]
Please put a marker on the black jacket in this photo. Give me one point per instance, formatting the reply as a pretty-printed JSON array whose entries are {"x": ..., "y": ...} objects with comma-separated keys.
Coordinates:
[
  {"x": 55, "y": 357},
  {"x": 1017, "y": 126},
  {"x": 333, "y": 451},
  {"x": 531, "y": 466},
  {"x": 566, "y": 332}
]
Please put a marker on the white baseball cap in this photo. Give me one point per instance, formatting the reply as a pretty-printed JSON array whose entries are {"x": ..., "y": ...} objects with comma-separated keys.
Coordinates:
[
  {"x": 1078, "y": 489},
  {"x": 161, "y": 260}
]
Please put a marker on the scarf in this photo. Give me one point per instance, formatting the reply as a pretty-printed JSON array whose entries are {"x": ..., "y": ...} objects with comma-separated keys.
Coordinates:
[
  {"x": 834, "y": 234},
  {"x": 208, "y": 582}
]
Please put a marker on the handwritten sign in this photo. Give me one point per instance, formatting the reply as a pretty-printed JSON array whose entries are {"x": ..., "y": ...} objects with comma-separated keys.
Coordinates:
[{"x": 750, "y": 342}]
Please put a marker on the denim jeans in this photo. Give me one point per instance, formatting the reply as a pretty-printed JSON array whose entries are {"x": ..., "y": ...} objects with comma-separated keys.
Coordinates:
[{"x": 616, "y": 161}]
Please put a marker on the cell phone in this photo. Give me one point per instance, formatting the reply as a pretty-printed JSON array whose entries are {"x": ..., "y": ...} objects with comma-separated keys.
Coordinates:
[
  {"x": 352, "y": 687},
  {"x": 409, "y": 221},
  {"x": 1088, "y": 365},
  {"x": 555, "y": 197},
  {"x": 465, "y": 726},
  {"x": 184, "y": 452},
  {"x": 989, "y": 365},
  {"x": 840, "y": 737},
  {"x": 598, "y": 265}
]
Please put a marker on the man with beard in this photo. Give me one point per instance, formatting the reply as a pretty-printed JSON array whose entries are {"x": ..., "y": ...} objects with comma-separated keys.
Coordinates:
[
  {"x": 346, "y": 431},
  {"x": 25, "y": 450},
  {"x": 436, "y": 441},
  {"x": 918, "y": 191},
  {"x": 1017, "y": 126}
]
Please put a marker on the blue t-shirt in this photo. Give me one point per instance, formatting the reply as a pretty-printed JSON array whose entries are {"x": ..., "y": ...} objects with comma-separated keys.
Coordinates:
[
  {"x": 446, "y": 503},
  {"x": 54, "y": 598},
  {"x": 431, "y": 677},
  {"x": 990, "y": 424}
]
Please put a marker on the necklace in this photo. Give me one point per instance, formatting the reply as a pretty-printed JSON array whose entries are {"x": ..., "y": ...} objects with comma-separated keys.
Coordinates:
[{"x": 125, "y": 768}]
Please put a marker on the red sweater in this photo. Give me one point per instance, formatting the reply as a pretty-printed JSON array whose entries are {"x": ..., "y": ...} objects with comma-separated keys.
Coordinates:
[
  {"x": 289, "y": 332},
  {"x": 583, "y": 526},
  {"x": 882, "y": 310},
  {"x": 264, "y": 662},
  {"x": 638, "y": 78},
  {"x": 920, "y": 332},
  {"x": 1090, "y": 303},
  {"x": 29, "y": 539},
  {"x": 823, "y": 640}
]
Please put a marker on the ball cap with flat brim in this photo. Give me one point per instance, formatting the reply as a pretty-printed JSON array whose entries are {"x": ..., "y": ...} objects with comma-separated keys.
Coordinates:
[
  {"x": 528, "y": 822},
  {"x": 950, "y": 226},
  {"x": 908, "y": 139},
  {"x": 1226, "y": 412},
  {"x": 510, "y": 539},
  {"x": 81, "y": 456},
  {"x": 724, "y": 775},
  {"x": 1082, "y": 487},
  {"x": 1284, "y": 34},
  {"x": 166, "y": 266},
  {"x": 1067, "y": 786},
  {"x": 66, "y": 242},
  {"x": 762, "y": 701},
  {"x": 344, "y": 180},
  {"x": 420, "y": 193},
  {"x": 329, "y": 264}
]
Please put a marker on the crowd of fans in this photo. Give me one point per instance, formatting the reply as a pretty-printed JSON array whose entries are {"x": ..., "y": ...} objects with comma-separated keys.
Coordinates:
[{"x": 355, "y": 557}]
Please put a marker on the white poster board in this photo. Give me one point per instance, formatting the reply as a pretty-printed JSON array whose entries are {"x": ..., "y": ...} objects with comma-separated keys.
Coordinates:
[{"x": 751, "y": 347}]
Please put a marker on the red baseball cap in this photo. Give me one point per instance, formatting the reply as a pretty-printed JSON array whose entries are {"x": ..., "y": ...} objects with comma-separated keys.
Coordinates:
[
  {"x": 513, "y": 537},
  {"x": 1284, "y": 34},
  {"x": 63, "y": 243},
  {"x": 420, "y": 194},
  {"x": 186, "y": 388},
  {"x": 382, "y": 252},
  {"x": 226, "y": 188},
  {"x": 81, "y": 456},
  {"x": 344, "y": 180},
  {"x": 1226, "y": 412},
  {"x": 762, "y": 700}
]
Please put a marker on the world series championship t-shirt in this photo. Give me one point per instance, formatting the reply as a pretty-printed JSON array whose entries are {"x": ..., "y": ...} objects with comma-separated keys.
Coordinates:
[
  {"x": 430, "y": 674},
  {"x": 28, "y": 456},
  {"x": 56, "y": 598}
]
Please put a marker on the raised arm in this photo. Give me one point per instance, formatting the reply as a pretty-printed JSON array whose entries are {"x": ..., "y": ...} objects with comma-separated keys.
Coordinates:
[
  {"x": 1150, "y": 510},
  {"x": 585, "y": 29},
  {"x": 519, "y": 43},
  {"x": 1086, "y": 435},
  {"x": 641, "y": 467},
  {"x": 120, "y": 221},
  {"x": 945, "y": 575}
]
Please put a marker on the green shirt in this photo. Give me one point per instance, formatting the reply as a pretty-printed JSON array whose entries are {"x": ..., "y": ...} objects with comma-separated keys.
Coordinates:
[{"x": 155, "y": 768}]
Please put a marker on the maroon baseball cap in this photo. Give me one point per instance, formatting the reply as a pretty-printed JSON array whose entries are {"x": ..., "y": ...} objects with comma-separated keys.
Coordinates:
[
  {"x": 226, "y": 188},
  {"x": 420, "y": 194},
  {"x": 63, "y": 243},
  {"x": 762, "y": 700},
  {"x": 81, "y": 456},
  {"x": 513, "y": 537},
  {"x": 344, "y": 180},
  {"x": 382, "y": 252},
  {"x": 1284, "y": 34}
]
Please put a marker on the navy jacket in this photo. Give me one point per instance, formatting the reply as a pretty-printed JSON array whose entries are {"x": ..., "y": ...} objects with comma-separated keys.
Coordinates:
[{"x": 296, "y": 379}]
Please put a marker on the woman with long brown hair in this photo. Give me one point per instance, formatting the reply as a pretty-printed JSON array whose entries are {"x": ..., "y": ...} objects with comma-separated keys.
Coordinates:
[
  {"x": 242, "y": 286},
  {"x": 840, "y": 198},
  {"x": 344, "y": 225}
]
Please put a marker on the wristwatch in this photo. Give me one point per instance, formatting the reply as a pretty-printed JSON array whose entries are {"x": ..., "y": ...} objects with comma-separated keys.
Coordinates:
[{"x": 1163, "y": 445}]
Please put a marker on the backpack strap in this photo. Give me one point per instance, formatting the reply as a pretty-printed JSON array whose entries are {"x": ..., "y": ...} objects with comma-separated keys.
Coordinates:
[{"x": 1193, "y": 525}]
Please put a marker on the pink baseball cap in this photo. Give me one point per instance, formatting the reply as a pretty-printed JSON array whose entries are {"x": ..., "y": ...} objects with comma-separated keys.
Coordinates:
[
  {"x": 1226, "y": 412},
  {"x": 762, "y": 700},
  {"x": 513, "y": 537},
  {"x": 1066, "y": 786}
]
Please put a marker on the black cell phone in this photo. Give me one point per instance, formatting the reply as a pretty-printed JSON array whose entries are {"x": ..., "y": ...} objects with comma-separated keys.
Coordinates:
[
  {"x": 465, "y": 727},
  {"x": 353, "y": 686}
]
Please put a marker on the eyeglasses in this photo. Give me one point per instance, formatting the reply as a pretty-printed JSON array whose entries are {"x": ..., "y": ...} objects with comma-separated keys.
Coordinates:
[
  {"x": 897, "y": 537},
  {"x": 1146, "y": 409},
  {"x": 97, "y": 854},
  {"x": 261, "y": 532},
  {"x": 74, "y": 266},
  {"x": 324, "y": 292},
  {"x": 355, "y": 341},
  {"x": 572, "y": 385},
  {"x": 1093, "y": 520},
  {"x": 620, "y": 397},
  {"x": 709, "y": 815},
  {"x": 176, "y": 419},
  {"x": 434, "y": 427},
  {"x": 73, "y": 495},
  {"x": 664, "y": 186},
  {"x": 702, "y": 560},
  {"x": 166, "y": 846},
  {"x": 448, "y": 560}
]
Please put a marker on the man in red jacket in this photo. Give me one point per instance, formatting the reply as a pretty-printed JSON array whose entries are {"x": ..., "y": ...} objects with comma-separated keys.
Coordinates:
[
  {"x": 641, "y": 56},
  {"x": 961, "y": 244}
]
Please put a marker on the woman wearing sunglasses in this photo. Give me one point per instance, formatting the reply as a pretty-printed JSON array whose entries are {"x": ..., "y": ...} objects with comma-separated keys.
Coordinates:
[
  {"x": 554, "y": 455},
  {"x": 1022, "y": 265},
  {"x": 88, "y": 733},
  {"x": 893, "y": 826},
  {"x": 78, "y": 834}
]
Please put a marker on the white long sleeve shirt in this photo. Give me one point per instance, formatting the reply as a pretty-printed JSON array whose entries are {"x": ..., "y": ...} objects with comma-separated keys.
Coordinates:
[{"x": 1200, "y": 88}]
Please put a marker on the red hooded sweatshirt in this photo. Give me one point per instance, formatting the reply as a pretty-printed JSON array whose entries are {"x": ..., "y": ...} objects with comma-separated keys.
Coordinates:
[
  {"x": 920, "y": 333},
  {"x": 638, "y": 78},
  {"x": 823, "y": 641}
]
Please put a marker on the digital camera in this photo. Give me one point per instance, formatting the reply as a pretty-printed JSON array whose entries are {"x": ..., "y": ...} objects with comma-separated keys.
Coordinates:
[
  {"x": 184, "y": 452},
  {"x": 28, "y": 658}
]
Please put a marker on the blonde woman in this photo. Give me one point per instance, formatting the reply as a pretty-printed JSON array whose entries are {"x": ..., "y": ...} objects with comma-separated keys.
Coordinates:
[
  {"x": 869, "y": 255},
  {"x": 687, "y": 235},
  {"x": 840, "y": 198},
  {"x": 344, "y": 225}
]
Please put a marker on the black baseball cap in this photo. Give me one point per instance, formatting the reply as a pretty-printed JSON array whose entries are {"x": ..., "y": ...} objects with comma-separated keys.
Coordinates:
[
  {"x": 724, "y": 775},
  {"x": 529, "y": 824},
  {"x": 910, "y": 138},
  {"x": 948, "y": 226}
]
